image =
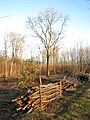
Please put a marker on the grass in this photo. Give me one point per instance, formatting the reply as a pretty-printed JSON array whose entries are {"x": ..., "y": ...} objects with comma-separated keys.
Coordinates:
[{"x": 79, "y": 110}]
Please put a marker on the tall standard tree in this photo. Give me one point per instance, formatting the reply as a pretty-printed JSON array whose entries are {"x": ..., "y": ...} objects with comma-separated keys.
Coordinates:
[{"x": 43, "y": 27}]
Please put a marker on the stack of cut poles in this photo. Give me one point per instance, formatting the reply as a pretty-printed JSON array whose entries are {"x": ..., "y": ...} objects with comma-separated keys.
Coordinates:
[
  {"x": 25, "y": 101},
  {"x": 38, "y": 97},
  {"x": 68, "y": 85}
]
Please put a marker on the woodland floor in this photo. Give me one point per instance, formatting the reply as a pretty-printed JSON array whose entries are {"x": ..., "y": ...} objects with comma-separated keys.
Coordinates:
[{"x": 74, "y": 105}]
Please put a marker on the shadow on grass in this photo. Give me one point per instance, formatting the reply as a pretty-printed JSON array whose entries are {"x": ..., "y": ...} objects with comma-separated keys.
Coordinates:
[
  {"x": 7, "y": 108},
  {"x": 8, "y": 92},
  {"x": 70, "y": 98}
]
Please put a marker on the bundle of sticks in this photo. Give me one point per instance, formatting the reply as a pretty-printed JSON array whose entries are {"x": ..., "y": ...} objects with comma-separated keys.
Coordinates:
[
  {"x": 68, "y": 85},
  {"x": 38, "y": 97},
  {"x": 25, "y": 101}
]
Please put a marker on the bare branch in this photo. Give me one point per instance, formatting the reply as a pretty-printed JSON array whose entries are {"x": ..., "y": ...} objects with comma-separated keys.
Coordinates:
[{"x": 5, "y": 16}]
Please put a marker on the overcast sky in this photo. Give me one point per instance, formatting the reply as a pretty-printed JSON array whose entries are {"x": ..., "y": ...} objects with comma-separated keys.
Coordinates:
[{"x": 18, "y": 10}]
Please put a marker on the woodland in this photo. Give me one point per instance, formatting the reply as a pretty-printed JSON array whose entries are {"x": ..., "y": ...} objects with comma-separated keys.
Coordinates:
[{"x": 51, "y": 65}]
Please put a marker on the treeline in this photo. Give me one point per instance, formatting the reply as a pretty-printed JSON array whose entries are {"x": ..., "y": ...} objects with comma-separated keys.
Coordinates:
[
  {"x": 73, "y": 60},
  {"x": 67, "y": 62}
]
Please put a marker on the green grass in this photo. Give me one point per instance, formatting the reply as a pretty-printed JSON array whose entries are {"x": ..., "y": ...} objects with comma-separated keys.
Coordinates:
[{"x": 79, "y": 110}]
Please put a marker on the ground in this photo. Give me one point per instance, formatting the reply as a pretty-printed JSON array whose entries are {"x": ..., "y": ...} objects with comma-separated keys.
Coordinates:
[{"x": 74, "y": 105}]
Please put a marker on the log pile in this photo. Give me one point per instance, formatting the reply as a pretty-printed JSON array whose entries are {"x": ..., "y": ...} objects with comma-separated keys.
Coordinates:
[
  {"x": 69, "y": 84},
  {"x": 40, "y": 96}
]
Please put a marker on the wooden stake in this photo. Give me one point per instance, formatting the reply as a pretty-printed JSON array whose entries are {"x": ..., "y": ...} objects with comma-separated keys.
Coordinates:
[
  {"x": 40, "y": 91},
  {"x": 60, "y": 89}
]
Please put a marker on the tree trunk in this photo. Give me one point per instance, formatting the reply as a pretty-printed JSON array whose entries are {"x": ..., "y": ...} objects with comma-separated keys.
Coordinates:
[
  {"x": 54, "y": 69},
  {"x": 11, "y": 67},
  {"x": 5, "y": 71},
  {"x": 54, "y": 62},
  {"x": 47, "y": 62}
]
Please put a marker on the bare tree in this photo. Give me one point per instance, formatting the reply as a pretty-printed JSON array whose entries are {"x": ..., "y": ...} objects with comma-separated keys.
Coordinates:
[
  {"x": 16, "y": 41},
  {"x": 44, "y": 26},
  {"x": 6, "y": 47}
]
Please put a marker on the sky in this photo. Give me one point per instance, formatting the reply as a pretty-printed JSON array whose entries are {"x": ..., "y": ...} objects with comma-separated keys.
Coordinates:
[{"x": 77, "y": 29}]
